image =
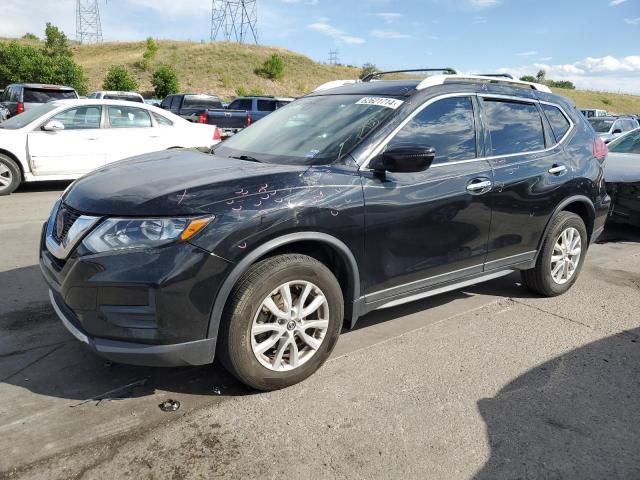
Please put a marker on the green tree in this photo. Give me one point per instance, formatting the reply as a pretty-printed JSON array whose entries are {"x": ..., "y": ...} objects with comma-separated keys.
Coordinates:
[
  {"x": 30, "y": 36},
  {"x": 561, "y": 84},
  {"x": 150, "y": 52},
  {"x": 272, "y": 68},
  {"x": 367, "y": 69},
  {"x": 56, "y": 42},
  {"x": 165, "y": 81},
  {"x": 541, "y": 76},
  {"x": 528, "y": 78},
  {"x": 119, "y": 78}
]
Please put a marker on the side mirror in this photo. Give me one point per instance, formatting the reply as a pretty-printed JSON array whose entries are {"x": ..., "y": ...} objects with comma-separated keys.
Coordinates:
[
  {"x": 53, "y": 126},
  {"x": 617, "y": 131},
  {"x": 404, "y": 158}
]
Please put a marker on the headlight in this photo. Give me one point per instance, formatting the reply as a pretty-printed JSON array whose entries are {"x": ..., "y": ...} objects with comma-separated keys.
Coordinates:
[{"x": 125, "y": 233}]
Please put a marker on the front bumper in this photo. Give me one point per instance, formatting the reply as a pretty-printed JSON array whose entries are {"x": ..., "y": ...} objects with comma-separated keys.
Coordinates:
[{"x": 144, "y": 307}]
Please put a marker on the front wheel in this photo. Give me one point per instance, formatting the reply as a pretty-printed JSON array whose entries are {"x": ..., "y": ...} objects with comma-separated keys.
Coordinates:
[
  {"x": 282, "y": 321},
  {"x": 561, "y": 258}
]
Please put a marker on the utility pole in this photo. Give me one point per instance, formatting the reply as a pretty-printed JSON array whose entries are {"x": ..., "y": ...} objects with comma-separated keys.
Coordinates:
[{"x": 333, "y": 57}]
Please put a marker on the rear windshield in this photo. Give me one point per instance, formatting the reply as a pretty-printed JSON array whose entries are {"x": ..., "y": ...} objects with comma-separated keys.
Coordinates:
[
  {"x": 129, "y": 98},
  {"x": 44, "y": 95},
  {"x": 27, "y": 117},
  {"x": 601, "y": 126},
  {"x": 629, "y": 143},
  {"x": 201, "y": 101}
]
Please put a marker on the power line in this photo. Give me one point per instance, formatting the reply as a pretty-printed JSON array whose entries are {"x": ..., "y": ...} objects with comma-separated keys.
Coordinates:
[{"x": 234, "y": 20}]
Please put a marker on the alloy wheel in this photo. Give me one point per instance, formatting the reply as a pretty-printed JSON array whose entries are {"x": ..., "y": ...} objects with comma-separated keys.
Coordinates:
[
  {"x": 566, "y": 255},
  {"x": 290, "y": 325},
  {"x": 6, "y": 177}
]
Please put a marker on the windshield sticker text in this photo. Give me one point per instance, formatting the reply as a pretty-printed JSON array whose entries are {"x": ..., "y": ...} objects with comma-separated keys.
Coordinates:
[{"x": 381, "y": 102}]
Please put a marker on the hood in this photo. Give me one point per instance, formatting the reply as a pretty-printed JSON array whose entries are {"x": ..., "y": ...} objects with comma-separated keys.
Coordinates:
[
  {"x": 173, "y": 182},
  {"x": 622, "y": 167},
  {"x": 607, "y": 137}
]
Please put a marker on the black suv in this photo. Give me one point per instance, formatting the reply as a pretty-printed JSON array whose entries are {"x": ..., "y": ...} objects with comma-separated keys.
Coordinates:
[{"x": 347, "y": 200}]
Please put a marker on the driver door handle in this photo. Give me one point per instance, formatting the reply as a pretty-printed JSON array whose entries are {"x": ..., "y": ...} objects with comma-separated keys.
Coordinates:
[
  {"x": 557, "y": 169},
  {"x": 478, "y": 185}
]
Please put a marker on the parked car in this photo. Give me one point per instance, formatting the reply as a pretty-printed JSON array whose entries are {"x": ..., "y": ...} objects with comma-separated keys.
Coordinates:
[
  {"x": 156, "y": 102},
  {"x": 65, "y": 139},
  {"x": 593, "y": 112},
  {"x": 20, "y": 97},
  {"x": 347, "y": 200},
  {"x": 4, "y": 113},
  {"x": 610, "y": 127},
  {"x": 622, "y": 175},
  {"x": 188, "y": 104},
  {"x": 240, "y": 113},
  {"x": 113, "y": 95}
]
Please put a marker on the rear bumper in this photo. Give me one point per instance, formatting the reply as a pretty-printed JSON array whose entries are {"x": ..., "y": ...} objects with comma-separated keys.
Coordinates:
[{"x": 198, "y": 352}]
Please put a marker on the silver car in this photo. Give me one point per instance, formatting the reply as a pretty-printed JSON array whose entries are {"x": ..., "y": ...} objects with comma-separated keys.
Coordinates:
[
  {"x": 19, "y": 97},
  {"x": 609, "y": 128}
]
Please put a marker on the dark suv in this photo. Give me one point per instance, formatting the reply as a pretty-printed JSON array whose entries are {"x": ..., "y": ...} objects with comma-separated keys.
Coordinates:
[{"x": 348, "y": 200}]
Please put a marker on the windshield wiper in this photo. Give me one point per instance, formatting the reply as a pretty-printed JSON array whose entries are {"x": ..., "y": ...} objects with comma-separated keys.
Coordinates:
[{"x": 248, "y": 158}]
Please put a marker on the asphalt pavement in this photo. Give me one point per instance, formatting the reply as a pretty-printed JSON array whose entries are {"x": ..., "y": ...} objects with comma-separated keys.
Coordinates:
[{"x": 484, "y": 383}]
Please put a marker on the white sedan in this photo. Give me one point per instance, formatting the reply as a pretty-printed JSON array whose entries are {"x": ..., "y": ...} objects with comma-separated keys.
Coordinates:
[{"x": 65, "y": 139}]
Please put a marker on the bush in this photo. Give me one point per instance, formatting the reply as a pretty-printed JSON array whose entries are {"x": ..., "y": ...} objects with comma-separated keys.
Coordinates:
[
  {"x": 21, "y": 63},
  {"x": 165, "y": 81},
  {"x": 528, "y": 78},
  {"x": 256, "y": 92},
  {"x": 561, "y": 84},
  {"x": 241, "y": 92},
  {"x": 119, "y": 78},
  {"x": 367, "y": 69},
  {"x": 30, "y": 36},
  {"x": 149, "y": 54},
  {"x": 272, "y": 68}
]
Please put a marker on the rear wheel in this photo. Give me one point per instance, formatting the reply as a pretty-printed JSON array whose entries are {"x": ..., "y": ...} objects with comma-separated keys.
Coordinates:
[
  {"x": 10, "y": 176},
  {"x": 561, "y": 258},
  {"x": 282, "y": 321}
]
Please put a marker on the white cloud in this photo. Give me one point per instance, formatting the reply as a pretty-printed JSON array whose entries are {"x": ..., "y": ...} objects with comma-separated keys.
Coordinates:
[
  {"x": 545, "y": 59},
  {"x": 390, "y": 17},
  {"x": 389, "y": 34},
  {"x": 479, "y": 19},
  {"x": 615, "y": 3},
  {"x": 633, "y": 21},
  {"x": 530, "y": 53},
  {"x": 336, "y": 33},
  {"x": 596, "y": 73}
]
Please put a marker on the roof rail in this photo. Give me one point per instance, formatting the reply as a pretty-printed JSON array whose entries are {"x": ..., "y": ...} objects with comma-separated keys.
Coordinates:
[
  {"x": 373, "y": 75},
  {"x": 499, "y": 75},
  {"x": 441, "y": 79},
  {"x": 335, "y": 84}
]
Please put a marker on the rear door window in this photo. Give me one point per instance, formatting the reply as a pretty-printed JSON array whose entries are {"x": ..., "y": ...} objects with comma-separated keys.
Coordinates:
[
  {"x": 44, "y": 95},
  {"x": 128, "y": 117},
  {"x": 241, "y": 104},
  {"x": 448, "y": 125},
  {"x": 513, "y": 127},
  {"x": 266, "y": 105},
  {"x": 559, "y": 123},
  {"x": 80, "y": 118}
]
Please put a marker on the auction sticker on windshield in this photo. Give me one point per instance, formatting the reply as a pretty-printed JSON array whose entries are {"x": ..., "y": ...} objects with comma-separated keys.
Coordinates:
[{"x": 392, "y": 103}]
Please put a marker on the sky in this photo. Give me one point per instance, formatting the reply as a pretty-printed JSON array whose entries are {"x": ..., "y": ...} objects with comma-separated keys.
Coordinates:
[{"x": 594, "y": 43}]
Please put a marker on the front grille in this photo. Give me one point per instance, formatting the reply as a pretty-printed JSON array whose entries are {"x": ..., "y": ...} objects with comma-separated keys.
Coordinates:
[{"x": 65, "y": 218}]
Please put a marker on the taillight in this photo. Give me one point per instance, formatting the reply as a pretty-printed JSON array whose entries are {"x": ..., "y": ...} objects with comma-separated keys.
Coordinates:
[
  {"x": 19, "y": 108},
  {"x": 600, "y": 149},
  {"x": 216, "y": 134},
  {"x": 202, "y": 118},
  {"x": 248, "y": 122}
]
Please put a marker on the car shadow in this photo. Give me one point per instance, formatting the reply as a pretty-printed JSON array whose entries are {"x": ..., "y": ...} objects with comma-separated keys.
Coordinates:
[
  {"x": 576, "y": 416},
  {"x": 617, "y": 232},
  {"x": 42, "y": 187}
]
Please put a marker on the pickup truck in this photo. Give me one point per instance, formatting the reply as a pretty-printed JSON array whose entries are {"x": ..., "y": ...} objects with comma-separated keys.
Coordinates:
[
  {"x": 186, "y": 105},
  {"x": 240, "y": 113}
]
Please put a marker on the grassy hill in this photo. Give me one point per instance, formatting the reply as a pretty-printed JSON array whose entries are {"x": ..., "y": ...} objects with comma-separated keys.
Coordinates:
[
  {"x": 224, "y": 68},
  {"x": 219, "y": 68}
]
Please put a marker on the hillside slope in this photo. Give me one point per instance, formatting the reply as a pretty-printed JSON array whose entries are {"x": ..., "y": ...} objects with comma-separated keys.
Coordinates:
[{"x": 220, "y": 68}]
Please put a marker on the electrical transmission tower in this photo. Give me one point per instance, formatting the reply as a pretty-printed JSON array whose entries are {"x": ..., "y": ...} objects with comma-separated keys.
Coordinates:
[
  {"x": 88, "y": 26},
  {"x": 234, "y": 20},
  {"x": 333, "y": 57}
]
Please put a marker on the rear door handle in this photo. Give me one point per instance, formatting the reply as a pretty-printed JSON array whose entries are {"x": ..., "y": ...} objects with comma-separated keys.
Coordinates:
[
  {"x": 557, "y": 169},
  {"x": 479, "y": 185}
]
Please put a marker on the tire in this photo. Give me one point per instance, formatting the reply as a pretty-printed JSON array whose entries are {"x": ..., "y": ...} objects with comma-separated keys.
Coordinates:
[
  {"x": 10, "y": 175},
  {"x": 245, "y": 313},
  {"x": 541, "y": 279}
]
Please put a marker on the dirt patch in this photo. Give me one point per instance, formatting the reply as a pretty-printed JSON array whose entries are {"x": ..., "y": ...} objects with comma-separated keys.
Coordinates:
[{"x": 27, "y": 318}]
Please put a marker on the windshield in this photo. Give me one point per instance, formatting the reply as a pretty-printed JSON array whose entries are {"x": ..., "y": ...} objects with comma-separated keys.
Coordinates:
[
  {"x": 311, "y": 130},
  {"x": 201, "y": 101},
  {"x": 629, "y": 143},
  {"x": 27, "y": 117},
  {"x": 129, "y": 98},
  {"x": 601, "y": 126},
  {"x": 44, "y": 95}
]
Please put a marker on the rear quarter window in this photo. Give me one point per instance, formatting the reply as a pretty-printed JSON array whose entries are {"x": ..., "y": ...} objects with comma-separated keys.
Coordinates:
[
  {"x": 514, "y": 127},
  {"x": 559, "y": 123}
]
